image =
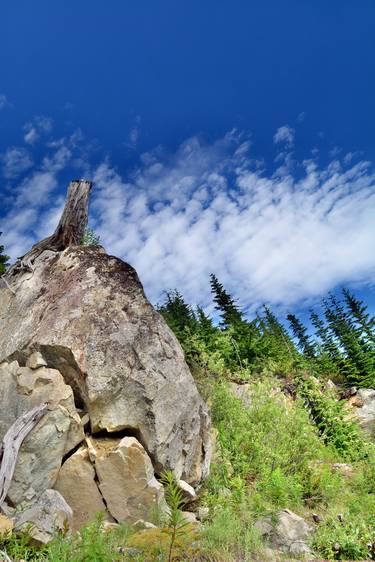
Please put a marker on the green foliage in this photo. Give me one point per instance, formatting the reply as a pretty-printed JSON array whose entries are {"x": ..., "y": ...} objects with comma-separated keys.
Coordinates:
[
  {"x": 275, "y": 452},
  {"x": 301, "y": 334},
  {"x": 90, "y": 238},
  {"x": 332, "y": 420},
  {"x": 267, "y": 446},
  {"x": 225, "y": 304},
  {"x": 4, "y": 259},
  {"x": 276, "y": 447},
  {"x": 175, "y": 501},
  {"x": 345, "y": 540}
]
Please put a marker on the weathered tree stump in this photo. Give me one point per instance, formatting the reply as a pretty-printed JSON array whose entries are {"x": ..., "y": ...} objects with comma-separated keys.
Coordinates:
[
  {"x": 12, "y": 442},
  {"x": 69, "y": 231}
]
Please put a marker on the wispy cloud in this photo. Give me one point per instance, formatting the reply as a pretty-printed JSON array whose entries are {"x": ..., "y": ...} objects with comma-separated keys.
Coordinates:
[
  {"x": 4, "y": 102},
  {"x": 34, "y": 203},
  {"x": 284, "y": 134},
  {"x": 134, "y": 134},
  {"x": 269, "y": 237},
  {"x": 15, "y": 161},
  {"x": 278, "y": 236},
  {"x": 35, "y": 128}
]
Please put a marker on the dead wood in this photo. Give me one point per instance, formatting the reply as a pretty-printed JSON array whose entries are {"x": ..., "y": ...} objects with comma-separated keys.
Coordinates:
[
  {"x": 69, "y": 231},
  {"x": 11, "y": 444}
]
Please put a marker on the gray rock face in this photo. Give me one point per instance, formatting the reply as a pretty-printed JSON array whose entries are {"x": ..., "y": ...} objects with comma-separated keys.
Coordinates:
[
  {"x": 45, "y": 518},
  {"x": 86, "y": 313},
  {"x": 364, "y": 403},
  {"x": 76, "y": 483},
  {"x": 59, "y": 431},
  {"x": 126, "y": 479},
  {"x": 112, "y": 476},
  {"x": 289, "y": 533}
]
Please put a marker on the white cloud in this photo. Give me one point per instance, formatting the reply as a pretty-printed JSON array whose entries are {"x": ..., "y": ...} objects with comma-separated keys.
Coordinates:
[
  {"x": 4, "y": 101},
  {"x": 33, "y": 204},
  {"x": 35, "y": 128},
  {"x": 274, "y": 238},
  {"x": 284, "y": 134},
  {"x": 15, "y": 161},
  {"x": 210, "y": 207}
]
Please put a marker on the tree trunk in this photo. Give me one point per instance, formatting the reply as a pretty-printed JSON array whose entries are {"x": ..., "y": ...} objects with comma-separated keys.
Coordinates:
[
  {"x": 73, "y": 222},
  {"x": 69, "y": 231},
  {"x": 12, "y": 442}
]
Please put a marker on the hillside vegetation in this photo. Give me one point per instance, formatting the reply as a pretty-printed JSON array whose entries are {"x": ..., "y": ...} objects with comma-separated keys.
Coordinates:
[{"x": 285, "y": 438}]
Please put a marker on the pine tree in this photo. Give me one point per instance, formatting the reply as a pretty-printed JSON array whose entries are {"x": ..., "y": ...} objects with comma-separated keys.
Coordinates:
[
  {"x": 358, "y": 310},
  {"x": 300, "y": 333},
  {"x": 178, "y": 314},
  {"x": 279, "y": 333},
  {"x": 328, "y": 343},
  {"x": 225, "y": 304},
  {"x": 358, "y": 354},
  {"x": 4, "y": 259},
  {"x": 205, "y": 326}
]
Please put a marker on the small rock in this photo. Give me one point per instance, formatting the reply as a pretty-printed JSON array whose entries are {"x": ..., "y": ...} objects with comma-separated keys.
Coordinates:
[
  {"x": 85, "y": 420},
  {"x": 50, "y": 514},
  {"x": 141, "y": 524},
  {"x": 36, "y": 360},
  {"x": 6, "y": 526},
  {"x": 242, "y": 391},
  {"x": 289, "y": 534},
  {"x": 344, "y": 468},
  {"x": 330, "y": 385},
  {"x": 189, "y": 516},
  {"x": 187, "y": 490},
  {"x": 108, "y": 526},
  {"x": 203, "y": 513},
  {"x": 365, "y": 409},
  {"x": 130, "y": 552}
]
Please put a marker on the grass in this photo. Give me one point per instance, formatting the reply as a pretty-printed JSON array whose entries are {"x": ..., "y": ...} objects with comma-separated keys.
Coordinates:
[{"x": 269, "y": 455}]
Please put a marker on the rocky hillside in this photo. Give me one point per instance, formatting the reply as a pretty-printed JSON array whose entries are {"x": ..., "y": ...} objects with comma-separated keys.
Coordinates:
[{"x": 124, "y": 463}]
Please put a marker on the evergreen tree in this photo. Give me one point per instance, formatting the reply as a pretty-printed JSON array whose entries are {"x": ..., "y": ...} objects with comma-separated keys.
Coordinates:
[
  {"x": 357, "y": 354},
  {"x": 225, "y": 304},
  {"x": 4, "y": 259},
  {"x": 278, "y": 330},
  {"x": 205, "y": 327},
  {"x": 358, "y": 310},
  {"x": 300, "y": 333},
  {"x": 328, "y": 343},
  {"x": 179, "y": 315}
]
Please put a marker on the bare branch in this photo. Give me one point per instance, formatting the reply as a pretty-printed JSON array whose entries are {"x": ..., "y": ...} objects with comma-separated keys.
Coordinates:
[{"x": 12, "y": 442}]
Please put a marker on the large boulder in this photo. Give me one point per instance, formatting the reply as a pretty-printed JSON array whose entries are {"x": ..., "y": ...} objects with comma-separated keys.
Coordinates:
[
  {"x": 113, "y": 476},
  {"x": 78, "y": 486},
  {"x": 126, "y": 479},
  {"x": 86, "y": 313},
  {"x": 59, "y": 431}
]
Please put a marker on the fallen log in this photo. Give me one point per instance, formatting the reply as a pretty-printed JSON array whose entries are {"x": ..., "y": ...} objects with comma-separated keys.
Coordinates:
[{"x": 11, "y": 444}]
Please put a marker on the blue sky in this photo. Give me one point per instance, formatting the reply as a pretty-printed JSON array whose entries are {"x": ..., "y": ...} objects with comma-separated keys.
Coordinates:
[{"x": 228, "y": 136}]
